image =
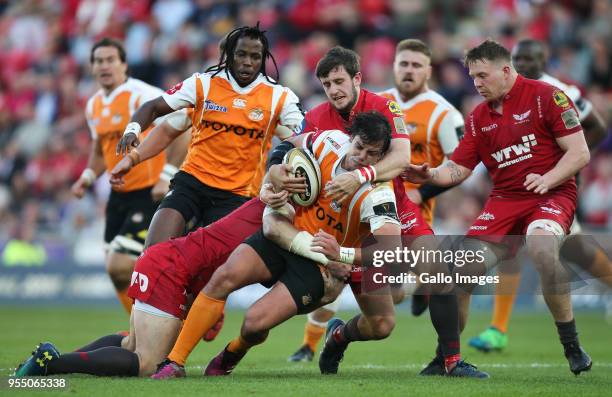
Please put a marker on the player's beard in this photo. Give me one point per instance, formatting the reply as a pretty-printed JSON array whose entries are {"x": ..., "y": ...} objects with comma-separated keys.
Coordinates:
[{"x": 349, "y": 106}]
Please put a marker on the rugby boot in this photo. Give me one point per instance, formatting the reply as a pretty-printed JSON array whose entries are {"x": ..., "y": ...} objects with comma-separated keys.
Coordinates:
[
  {"x": 333, "y": 352},
  {"x": 579, "y": 361},
  {"x": 223, "y": 364},
  {"x": 36, "y": 364},
  {"x": 168, "y": 369},
  {"x": 464, "y": 369},
  {"x": 489, "y": 340},
  {"x": 303, "y": 354},
  {"x": 435, "y": 367}
]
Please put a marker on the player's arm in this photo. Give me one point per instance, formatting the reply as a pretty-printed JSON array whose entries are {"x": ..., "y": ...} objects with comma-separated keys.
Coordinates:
[
  {"x": 448, "y": 174},
  {"x": 141, "y": 120},
  {"x": 160, "y": 137},
  {"x": 291, "y": 118},
  {"x": 182, "y": 95},
  {"x": 379, "y": 211},
  {"x": 95, "y": 167},
  {"x": 576, "y": 156}
]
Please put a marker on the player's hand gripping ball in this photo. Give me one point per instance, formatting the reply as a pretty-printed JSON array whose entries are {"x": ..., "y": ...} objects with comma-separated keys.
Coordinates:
[{"x": 305, "y": 165}]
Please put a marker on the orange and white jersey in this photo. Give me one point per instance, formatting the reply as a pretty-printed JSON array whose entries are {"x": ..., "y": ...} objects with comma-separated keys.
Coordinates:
[
  {"x": 435, "y": 127},
  {"x": 233, "y": 128},
  {"x": 359, "y": 215},
  {"x": 107, "y": 116}
]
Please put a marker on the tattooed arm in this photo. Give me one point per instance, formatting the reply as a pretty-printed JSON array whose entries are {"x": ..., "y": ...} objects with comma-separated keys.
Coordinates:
[{"x": 448, "y": 174}]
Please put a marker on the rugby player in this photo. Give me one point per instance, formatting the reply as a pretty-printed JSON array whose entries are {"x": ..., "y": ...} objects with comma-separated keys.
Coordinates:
[
  {"x": 298, "y": 284},
  {"x": 528, "y": 135},
  {"x": 339, "y": 73},
  {"x": 435, "y": 127},
  {"x": 529, "y": 59},
  {"x": 236, "y": 110},
  {"x": 130, "y": 206},
  {"x": 162, "y": 277}
]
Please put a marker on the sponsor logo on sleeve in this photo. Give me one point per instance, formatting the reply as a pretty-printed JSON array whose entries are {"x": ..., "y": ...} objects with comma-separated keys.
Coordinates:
[
  {"x": 386, "y": 209},
  {"x": 400, "y": 127},
  {"x": 174, "y": 89},
  {"x": 395, "y": 108},
  {"x": 560, "y": 99},
  {"x": 570, "y": 119}
]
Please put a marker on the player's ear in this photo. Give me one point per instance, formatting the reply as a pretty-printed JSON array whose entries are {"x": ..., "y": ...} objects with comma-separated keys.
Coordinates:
[{"x": 357, "y": 79}]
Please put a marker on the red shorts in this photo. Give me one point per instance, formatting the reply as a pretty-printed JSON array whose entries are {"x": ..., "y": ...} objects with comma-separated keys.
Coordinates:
[
  {"x": 161, "y": 280},
  {"x": 503, "y": 218},
  {"x": 166, "y": 272}
]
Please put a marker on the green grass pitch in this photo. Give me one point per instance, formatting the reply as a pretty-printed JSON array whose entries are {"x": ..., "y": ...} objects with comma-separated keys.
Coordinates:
[{"x": 533, "y": 364}]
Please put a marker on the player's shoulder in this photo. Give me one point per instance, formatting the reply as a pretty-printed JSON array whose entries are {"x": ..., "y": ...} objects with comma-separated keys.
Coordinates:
[
  {"x": 318, "y": 111},
  {"x": 333, "y": 138},
  {"x": 439, "y": 100},
  {"x": 389, "y": 94},
  {"x": 571, "y": 90},
  {"x": 382, "y": 104}
]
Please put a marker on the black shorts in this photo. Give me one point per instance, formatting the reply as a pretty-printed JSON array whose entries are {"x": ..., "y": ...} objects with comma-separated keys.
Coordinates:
[
  {"x": 199, "y": 204},
  {"x": 128, "y": 215},
  {"x": 301, "y": 276}
]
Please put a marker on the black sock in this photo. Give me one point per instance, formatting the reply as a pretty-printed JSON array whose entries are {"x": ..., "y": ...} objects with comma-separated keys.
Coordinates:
[
  {"x": 567, "y": 333},
  {"x": 348, "y": 332},
  {"x": 444, "y": 313},
  {"x": 107, "y": 361},
  {"x": 105, "y": 341}
]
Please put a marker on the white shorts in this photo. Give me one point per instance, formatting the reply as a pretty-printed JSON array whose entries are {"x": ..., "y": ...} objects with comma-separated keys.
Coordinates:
[{"x": 146, "y": 308}]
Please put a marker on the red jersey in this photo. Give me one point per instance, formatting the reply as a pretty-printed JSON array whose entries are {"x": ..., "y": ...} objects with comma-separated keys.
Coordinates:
[
  {"x": 207, "y": 248},
  {"x": 520, "y": 141},
  {"x": 325, "y": 117}
]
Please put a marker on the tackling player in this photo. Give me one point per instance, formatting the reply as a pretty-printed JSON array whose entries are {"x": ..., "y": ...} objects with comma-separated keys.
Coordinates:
[
  {"x": 299, "y": 285},
  {"x": 528, "y": 135},
  {"x": 528, "y": 57},
  {"x": 130, "y": 206},
  {"x": 162, "y": 277},
  {"x": 339, "y": 74}
]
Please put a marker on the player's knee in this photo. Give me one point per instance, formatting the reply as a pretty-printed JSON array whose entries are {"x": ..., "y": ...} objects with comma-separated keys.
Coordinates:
[
  {"x": 254, "y": 329},
  {"x": 120, "y": 271},
  {"x": 382, "y": 326}
]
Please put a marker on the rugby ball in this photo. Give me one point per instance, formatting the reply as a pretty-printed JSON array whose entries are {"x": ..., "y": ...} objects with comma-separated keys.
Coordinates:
[{"x": 304, "y": 165}]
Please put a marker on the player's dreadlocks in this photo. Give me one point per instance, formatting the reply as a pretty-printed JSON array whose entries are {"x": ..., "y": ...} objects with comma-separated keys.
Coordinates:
[{"x": 228, "y": 46}]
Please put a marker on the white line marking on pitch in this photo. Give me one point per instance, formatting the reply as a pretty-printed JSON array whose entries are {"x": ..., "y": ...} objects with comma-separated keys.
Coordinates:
[{"x": 299, "y": 367}]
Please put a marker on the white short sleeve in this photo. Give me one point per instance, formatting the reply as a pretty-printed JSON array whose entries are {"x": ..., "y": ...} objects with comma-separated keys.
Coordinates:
[
  {"x": 449, "y": 131},
  {"x": 291, "y": 115},
  {"x": 379, "y": 208},
  {"x": 182, "y": 95},
  {"x": 179, "y": 120}
]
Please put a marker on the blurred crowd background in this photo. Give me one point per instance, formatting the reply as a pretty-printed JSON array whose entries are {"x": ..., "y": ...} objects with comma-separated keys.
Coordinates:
[{"x": 45, "y": 82}]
